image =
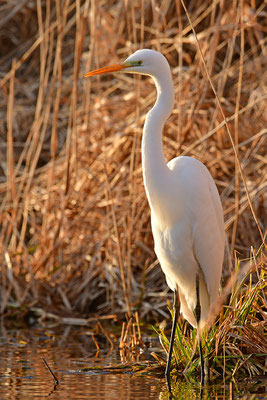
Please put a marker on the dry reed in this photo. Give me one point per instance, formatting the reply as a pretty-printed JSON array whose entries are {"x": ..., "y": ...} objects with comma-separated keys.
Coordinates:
[{"x": 75, "y": 232}]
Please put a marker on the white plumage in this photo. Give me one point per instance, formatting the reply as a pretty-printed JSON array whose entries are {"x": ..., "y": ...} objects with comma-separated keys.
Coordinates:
[
  {"x": 193, "y": 241},
  {"x": 186, "y": 211}
]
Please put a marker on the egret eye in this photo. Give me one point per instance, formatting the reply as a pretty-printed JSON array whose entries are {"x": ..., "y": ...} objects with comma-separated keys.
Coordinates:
[{"x": 137, "y": 63}]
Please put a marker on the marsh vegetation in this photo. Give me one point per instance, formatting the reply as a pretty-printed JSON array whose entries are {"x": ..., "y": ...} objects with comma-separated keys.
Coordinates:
[{"x": 75, "y": 238}]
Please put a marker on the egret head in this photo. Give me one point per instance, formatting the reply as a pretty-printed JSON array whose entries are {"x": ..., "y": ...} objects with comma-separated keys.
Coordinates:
[{"x": 145, "y": 62}]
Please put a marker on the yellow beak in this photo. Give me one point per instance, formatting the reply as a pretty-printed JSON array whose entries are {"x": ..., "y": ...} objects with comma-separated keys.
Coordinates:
[{"x": 106, "y": 70}]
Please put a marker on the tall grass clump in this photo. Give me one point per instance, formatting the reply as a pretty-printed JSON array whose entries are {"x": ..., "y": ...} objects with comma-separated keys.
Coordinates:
[
  {"x": 75, "y": 235},
  {"x": 235, "y": 344}
]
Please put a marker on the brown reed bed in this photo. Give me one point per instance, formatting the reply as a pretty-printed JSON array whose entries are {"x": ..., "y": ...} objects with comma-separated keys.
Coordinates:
[{"x": 75, "y": 235}]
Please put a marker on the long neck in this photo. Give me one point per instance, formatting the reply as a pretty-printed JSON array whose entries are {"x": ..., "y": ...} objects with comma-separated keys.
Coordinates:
[{"x": 155, "y": 171}]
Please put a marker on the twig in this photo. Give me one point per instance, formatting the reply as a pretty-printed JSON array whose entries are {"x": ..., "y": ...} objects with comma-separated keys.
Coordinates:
[
  {"x": 106, "y": 334},
  {"x": 51, "y": 372}
]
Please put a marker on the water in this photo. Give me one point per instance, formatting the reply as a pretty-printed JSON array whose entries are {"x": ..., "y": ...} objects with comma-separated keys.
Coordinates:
[
  {"x": 69, "y": 352},
  {"x": 23, "y": 374}
]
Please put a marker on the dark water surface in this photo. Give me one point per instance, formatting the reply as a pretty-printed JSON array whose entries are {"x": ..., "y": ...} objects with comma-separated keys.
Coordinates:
[{"x": 69, "y": 351}]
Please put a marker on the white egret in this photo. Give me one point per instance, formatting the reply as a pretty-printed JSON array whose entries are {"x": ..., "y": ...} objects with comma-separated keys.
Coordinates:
[{"x": 186, "y": 211}]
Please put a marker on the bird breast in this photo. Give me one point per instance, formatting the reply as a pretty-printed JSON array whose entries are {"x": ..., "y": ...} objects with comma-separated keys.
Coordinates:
[{"x": 173, "y": 247}]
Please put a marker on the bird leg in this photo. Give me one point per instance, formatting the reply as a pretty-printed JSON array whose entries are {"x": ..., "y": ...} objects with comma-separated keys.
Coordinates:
[
  {"x": 168, "y": 366},
  {"x": 197, "y": 316}
]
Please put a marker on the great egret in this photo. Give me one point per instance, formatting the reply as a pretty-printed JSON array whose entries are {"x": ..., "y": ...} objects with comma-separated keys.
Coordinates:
[{"x": 186, "y": 211}]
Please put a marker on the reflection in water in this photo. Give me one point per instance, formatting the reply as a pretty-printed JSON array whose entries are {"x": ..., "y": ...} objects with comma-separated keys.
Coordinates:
[{"x": 23, "y": 374}]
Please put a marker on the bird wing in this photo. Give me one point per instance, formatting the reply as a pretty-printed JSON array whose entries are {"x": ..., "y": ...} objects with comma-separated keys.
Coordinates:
[{"x": 208, "y": 239}]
